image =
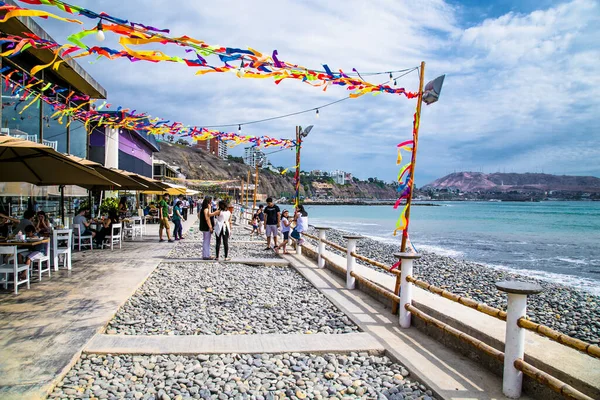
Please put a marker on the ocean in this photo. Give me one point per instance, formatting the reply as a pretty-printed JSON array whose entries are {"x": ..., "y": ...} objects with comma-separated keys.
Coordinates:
[{"x": 554, "y": 241}]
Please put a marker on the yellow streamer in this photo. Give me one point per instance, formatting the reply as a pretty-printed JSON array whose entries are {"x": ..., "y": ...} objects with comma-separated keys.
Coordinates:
[{"x": 35, "y": 13}]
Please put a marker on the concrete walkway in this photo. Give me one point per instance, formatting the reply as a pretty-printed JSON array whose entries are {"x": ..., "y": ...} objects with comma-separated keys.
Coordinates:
[
  {"x": 44, "y": 329},
  {"x": 448, "y": 374},
  {"x": 240, "y": 344}
]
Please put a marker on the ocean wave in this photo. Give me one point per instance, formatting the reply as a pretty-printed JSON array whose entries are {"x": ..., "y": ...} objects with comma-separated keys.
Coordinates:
[
  {"x": 441, "y": 251},
  {"x": 571, "y": 260}
]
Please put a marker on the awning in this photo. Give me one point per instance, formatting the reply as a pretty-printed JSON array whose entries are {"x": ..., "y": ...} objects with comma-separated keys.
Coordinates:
[
  {"x": 125, "y": 182},
  {"x": 25, "y": 161}
]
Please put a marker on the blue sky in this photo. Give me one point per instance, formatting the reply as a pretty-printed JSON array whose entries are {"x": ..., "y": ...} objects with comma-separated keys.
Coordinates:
[{"x": 521, "y": 91}]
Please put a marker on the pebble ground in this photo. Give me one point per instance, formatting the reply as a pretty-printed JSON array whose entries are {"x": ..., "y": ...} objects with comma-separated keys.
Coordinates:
[
  {"x": 227, "y": 299},
  {"x": 239, "y": 376}
]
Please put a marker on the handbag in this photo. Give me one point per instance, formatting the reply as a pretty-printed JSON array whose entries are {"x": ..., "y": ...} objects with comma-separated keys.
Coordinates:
[{"x": 295, "y": 234}]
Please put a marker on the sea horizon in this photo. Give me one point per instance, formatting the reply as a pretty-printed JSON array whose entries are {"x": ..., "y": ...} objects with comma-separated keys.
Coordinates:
[{"x": 549, "y": 240}]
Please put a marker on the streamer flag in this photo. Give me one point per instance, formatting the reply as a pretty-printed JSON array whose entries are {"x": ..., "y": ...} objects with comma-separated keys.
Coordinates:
[
  {"x": 245, "y": 63},
  {"x": 90, "y": 112},
  {"x": 404, "y": 183}
]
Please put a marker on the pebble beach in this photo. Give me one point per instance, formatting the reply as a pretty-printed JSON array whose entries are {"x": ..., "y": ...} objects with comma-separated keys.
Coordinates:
[
  {"x": 563, "y": 308},
  {"x": 239, "y": 376}
]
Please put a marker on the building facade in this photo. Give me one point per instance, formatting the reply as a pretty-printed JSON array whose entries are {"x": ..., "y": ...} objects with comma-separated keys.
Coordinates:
[
  {"x": 214, "y": 146},
  {"x": 35, "y": 122},
  {"x": 254, "y": 155},
  {"x": 338, "y": 176}
]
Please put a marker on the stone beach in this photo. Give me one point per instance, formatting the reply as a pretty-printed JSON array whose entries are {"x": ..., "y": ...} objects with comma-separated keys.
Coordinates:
[
  {"x": 239, "y": 376},
  {"x": 227, "y": 299},
  {"x": 563, "y": 308},
  {"x": 193, "y": 249}
]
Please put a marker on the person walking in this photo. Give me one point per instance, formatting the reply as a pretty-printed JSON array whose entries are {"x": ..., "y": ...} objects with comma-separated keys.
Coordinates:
[
  {"x": 163, "y": 217},
  {"x": 271, "y": 223},
  {"x": 178, "y": 229},
  {"x": 301, "y": 218},
  {"x": 285, "y": 229},
  {"x": 184, "y": 207},
  {"x": 222, "y": 228},
  {"x": 207, "y": 222},
  {"x": 261, "y": 219}
]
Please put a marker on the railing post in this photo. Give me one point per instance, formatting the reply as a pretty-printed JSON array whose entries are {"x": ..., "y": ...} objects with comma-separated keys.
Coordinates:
[
  {"x": 350, "y": 261},
  {"x": 406, "y": 269},
  {"x": 321, "y": 247},
  {"x": 298, "y": 248},
  {"x": 514, "y": 344}
]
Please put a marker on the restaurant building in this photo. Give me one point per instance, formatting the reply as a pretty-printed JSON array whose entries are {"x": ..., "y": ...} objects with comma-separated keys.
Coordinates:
[{"x": 35, "y": 123}]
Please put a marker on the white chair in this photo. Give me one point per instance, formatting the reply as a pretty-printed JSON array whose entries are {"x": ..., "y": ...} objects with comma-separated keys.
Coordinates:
[
  {"x": 114, "y": 237},
  {"x": 42, "y": 258},
  {"x": 81, "y": 241},
  {"x": 137, "y": 226},
  {"x": 59, "y": 247},
  {"x": 143, "y": 218},
  {"x": 12, "y": 267}
]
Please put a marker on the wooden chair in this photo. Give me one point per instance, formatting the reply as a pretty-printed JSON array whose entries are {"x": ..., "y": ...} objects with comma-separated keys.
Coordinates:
[
  {"x": 59, "y": 247},
  {"x": 11, "y": 266}
]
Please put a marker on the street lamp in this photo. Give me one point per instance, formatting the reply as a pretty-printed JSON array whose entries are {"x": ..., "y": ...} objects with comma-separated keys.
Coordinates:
[{"x": 300, "y": 133}]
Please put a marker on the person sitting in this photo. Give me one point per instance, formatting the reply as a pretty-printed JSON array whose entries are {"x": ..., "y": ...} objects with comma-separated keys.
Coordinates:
[
  {"x": 123, "y": 208},
  {"x": 6, "y": 224},
  {"x": 85, "y": 226},
  {"x": 37, "y": 251},
  {"x": 43, "y": 225},
  {"x": 25, "y": 222},
  {"x": 106, "y": 229}
]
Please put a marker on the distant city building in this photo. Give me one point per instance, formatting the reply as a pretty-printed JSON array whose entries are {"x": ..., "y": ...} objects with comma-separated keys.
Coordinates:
[
  {"x": 338, "y": 176},
  {"x": 316, "y": 172},
  {"x": 214, "y": 146},
  {"x": 253, "y": 155}
]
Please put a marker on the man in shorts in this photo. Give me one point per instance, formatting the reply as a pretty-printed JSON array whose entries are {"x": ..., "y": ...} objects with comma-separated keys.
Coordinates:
[
  {"x": 163, "y": 217},
  {"x": 272, "y": 221}
]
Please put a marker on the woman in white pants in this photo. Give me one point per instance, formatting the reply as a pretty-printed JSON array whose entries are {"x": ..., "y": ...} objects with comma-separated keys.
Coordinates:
[{"x": 207, "y": 223}]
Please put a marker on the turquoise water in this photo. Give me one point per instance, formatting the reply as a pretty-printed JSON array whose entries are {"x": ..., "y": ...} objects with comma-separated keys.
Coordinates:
[{"x": 557, "y": 241}]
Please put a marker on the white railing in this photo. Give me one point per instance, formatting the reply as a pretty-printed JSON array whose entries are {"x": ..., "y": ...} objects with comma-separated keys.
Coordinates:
[{"x": 53, "y": 144}]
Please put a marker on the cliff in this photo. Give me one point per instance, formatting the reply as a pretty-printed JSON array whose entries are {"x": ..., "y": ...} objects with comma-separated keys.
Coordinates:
[
  {"x": 199, "y": 164},
  {"x": 500, "y": 182}
]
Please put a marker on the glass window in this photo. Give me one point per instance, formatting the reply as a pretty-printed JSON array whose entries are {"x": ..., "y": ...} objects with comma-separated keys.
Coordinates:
[
  {"x": 78, "y": 139},
  {"x": 13, "y": 116},
  {"x": 55, "y": 134}
]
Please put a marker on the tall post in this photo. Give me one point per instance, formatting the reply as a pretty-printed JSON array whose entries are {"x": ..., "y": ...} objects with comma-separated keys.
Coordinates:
[
  {"x": 243, "y": 216},
  {"x": 248, "y": 190},
  {"x": 255, "y": 188},
  {"x": 321, "y": 247},
  {"x": 514, "y": 343},
  {"x": 406, "y": 287},
  {"x": 350, "y": 260},
  {"x": 62, "y": 205},
  {"x": 411, "y": 174},
  {"x": 297, "y": 176}
]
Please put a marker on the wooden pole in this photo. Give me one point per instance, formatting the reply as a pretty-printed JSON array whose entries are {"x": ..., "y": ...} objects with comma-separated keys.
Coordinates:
[
  {"x": 242, "y": 192},
  {"x": 411, "y": 181},
  {"x": 248, "y": 190},
  {"x": 255, "y": 187},
  {"x": 298, "y": 147}
]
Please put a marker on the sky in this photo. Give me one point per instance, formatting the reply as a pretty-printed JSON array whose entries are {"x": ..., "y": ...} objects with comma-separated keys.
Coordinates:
[{"x": 521, "y": 94}]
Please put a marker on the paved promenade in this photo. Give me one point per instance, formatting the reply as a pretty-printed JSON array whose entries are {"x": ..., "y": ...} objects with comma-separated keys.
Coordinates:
[{"x": 44, "y": 329}]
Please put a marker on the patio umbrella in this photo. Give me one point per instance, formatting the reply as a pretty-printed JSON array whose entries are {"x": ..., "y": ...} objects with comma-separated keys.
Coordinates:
[
  {"x": 152, "y": 184},
  {"x": 172, "y": 189},
  {"x": 25, "y": 161},
  {"x": 124, "y": 181}
]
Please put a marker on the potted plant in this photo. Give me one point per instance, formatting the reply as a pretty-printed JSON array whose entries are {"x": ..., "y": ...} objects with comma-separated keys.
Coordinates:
[{"x": 109, "y": 204}]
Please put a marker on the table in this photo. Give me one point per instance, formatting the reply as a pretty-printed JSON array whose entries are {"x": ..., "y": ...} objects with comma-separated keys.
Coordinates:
[{"x": 28, "y": 243}]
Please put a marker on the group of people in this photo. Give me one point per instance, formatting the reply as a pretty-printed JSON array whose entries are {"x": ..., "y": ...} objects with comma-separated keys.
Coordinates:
[
  {"x": 273, "y": 221},
  {"x": 215, "y": 218},
  {"x": 181, "y": 206},
  {"x": 33, "y": 224}
]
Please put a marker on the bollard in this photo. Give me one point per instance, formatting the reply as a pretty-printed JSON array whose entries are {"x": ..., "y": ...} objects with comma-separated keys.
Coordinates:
[
  {"x": 406, "y": 265},
  {"x": 298, "y": 248},
  {"x": 514, "y": 344},
  {"x": 350, "y": 260},
  {"x": 321, "y": 247}
]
